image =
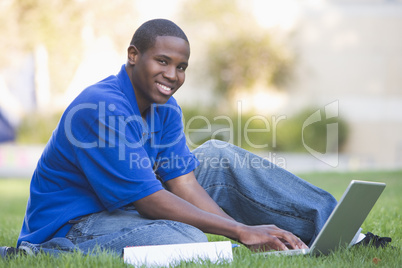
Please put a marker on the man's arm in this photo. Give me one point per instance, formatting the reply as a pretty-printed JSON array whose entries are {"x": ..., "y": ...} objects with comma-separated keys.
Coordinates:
[
  {"x": 188, "y": 188},
  {"x": 189, "y": 203}
]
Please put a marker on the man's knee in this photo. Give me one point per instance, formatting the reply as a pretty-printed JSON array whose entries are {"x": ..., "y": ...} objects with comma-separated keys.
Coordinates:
[
  {"x": 185, "y": 233},
  {"x": 172, "y": 232},
  {"x": 330, "y": 204},
  {"x": 213, "y": 145}
]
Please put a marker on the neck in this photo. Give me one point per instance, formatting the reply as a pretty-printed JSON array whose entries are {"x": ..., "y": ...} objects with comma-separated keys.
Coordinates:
[
  {"x": 141, "y": 107},
  {"x": 142, "y": 103}
]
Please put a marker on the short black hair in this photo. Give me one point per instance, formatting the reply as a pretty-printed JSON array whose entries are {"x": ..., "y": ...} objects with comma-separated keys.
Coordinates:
[{"x": 145, "y": 36}]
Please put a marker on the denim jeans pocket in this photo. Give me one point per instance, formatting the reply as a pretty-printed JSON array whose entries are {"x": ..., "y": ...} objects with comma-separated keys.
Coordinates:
[{"x": 79, "y": 232}]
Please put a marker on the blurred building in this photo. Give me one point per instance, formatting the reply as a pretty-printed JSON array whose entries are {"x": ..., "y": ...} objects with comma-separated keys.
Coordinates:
[{"x": 351, "y": 51}]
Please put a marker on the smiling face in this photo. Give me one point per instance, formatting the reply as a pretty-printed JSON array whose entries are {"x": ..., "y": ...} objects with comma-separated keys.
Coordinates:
[{"x": 157, "y": 73}]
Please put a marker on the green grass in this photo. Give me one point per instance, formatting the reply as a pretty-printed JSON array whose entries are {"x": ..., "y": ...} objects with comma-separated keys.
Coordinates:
[{"x": 384, "y": 219}]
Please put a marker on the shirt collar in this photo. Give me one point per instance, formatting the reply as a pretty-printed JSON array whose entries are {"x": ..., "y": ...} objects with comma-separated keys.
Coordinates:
[{"x": 127, "y": 88}]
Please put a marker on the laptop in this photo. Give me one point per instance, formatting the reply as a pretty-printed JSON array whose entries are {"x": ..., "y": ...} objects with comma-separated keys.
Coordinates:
[{"x": 343, "y": 225}]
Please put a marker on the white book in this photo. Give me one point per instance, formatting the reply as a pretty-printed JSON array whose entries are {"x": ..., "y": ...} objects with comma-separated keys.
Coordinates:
[{"x": 164, "y": 255}]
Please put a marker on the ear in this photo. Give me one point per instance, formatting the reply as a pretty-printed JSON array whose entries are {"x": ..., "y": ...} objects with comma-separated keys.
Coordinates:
[{"x": 132, "y": 54}]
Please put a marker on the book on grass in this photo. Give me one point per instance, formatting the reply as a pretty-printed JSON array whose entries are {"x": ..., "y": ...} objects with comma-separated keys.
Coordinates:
[{"x": 165, "y": 255}]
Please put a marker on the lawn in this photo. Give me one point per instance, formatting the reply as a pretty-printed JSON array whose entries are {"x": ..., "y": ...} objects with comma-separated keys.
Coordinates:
[{"x": 384, "y": 219}]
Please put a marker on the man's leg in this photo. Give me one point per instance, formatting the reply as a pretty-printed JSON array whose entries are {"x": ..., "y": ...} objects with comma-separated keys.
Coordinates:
[
  {"x": 254, "y": 191},
  {"x": 112, "y": 231}
]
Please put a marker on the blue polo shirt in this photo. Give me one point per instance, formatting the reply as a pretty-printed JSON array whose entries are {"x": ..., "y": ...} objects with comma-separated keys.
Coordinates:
[{"x": 102, "y": 156}]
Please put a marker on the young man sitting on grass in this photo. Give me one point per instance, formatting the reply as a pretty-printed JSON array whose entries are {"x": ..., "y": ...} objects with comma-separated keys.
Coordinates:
[{"x": 117, "y": 171}]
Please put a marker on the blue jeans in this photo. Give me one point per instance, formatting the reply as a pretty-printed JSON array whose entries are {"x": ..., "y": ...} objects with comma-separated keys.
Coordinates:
[{"x": 249, "y": 188}]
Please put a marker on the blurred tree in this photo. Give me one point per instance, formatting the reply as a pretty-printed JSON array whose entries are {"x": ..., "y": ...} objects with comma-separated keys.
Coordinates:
[
  {"x": 58, "y": 25},
  {"x": 55, "y": 24},
  {"x": 242, "y": 60},
  {"x": 238, "y": 53}
]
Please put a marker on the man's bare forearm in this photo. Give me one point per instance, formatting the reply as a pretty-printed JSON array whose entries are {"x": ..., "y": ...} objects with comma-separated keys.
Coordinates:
[
  {"x": 188, "y": 188},
  {"x": 166, "y": 205}
]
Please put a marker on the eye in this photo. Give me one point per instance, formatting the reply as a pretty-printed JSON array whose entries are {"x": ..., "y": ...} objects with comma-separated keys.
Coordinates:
[
  {"x": 161, "y": 61},
  {"x": 181, "y": 68}
]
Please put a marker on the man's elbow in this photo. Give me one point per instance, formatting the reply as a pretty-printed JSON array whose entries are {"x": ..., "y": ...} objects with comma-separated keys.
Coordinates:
[
  {"x": 151, "y": 206},
  {"x": 147, "y": 213}
]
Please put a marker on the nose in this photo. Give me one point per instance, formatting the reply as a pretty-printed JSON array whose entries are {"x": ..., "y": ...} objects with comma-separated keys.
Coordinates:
[{"x": 170, "y": 73}]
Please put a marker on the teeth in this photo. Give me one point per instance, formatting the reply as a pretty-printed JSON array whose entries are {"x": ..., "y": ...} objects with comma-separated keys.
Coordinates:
[{"x": 164, "y": 87}]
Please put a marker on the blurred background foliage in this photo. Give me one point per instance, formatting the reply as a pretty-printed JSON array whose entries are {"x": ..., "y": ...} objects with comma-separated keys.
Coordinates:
[
  {"x": 233, "y": 54},
  {"x": 261, "y": 132},
  {"x": 237, "y": 52},
  {"x": 59, "y": 26},
  {"x": 243, "y": 60},
  {"x": 37, "y": 128}
]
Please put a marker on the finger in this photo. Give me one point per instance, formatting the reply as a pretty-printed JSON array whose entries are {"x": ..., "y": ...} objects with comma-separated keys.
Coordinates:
[
  {"x": 288, "y": 237},
  {"x": 276, "y": 244},
  {"x": 299, "y": 244},
  {"x": 272, "y": 243}
]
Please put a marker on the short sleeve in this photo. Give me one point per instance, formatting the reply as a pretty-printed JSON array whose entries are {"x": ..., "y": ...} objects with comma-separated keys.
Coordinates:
[{"x": 174, "y": 158}]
